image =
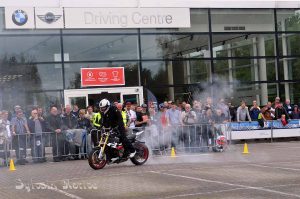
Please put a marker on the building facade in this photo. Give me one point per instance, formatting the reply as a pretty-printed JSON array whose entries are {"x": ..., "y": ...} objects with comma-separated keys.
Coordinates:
[{"x": 243, "y": 50}]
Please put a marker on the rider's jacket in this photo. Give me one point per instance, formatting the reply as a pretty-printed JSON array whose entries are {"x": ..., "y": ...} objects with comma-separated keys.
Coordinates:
[
  {"x": 113, "y": 118},
  {"x": 125, "y": 117},
  {"x": 97, "y": 120}
]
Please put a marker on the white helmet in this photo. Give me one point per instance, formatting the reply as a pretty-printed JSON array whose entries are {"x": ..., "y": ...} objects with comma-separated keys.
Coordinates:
[{"x": 104, "y": 105}]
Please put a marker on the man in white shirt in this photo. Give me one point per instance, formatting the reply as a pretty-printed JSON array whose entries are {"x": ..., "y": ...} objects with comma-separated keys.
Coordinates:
[
  {"x": 131, "y": 115},
  {"x": 189, "y": 118}
]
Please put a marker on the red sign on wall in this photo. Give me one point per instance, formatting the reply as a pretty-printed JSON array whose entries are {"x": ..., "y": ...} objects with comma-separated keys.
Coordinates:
[{"x": 102, "y": 76}]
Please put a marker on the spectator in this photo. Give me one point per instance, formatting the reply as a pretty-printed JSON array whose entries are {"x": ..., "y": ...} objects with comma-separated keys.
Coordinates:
[
  {"x": 209, "y": 104},
  {"x": 296, "y": 113},
  {"x": 224, "y": 108},
  {"x": 54, "y": 124},
  {"x": 163, "y": 116},
  {"x": 40, "y": 113},
  {"x": 69, "y": 123},
  {"x": 90, "y": 113},
  {"x": 277, "y": 102},
  {"x": 279, "y": 111},
  {"x": 37, "y": 126},
  {"x": 5, "y": 136},
  {"x": 183, "y": 106},
  {"x": 188, "y": 118},
  {"x": 170, "y": 104},
  {"x": 140, "y": 122},
  {"x": 75, "y": 110},
  {"x": 207, "y": 132},
  {"x": 124, "y": 115},
  {"x": 85, "y": 124},
  {"x": 219, "y": 117},
  {"x": 288, "y": 107},
  {"x": 232, "y": 111},
  {"x": 131, "y": 115},
  {"x": 199, "y": 112},
  {"x": 283, "y": 120},
  {"x": 243, "y": 113},
  {"x": 20, "y": 132},
  {"x": 174, "y": 119},
  {"x": 268, "y": 112},
  {"x": 254, "y": 111}
]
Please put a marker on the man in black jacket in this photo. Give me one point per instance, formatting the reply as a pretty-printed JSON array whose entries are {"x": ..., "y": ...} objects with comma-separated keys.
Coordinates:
[
  {"x": 54, "y": 125},
  {"x": 111, "y": 118}
]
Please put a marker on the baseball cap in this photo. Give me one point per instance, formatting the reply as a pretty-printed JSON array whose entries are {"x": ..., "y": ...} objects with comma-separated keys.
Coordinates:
[{"x": 144, "y": 106}]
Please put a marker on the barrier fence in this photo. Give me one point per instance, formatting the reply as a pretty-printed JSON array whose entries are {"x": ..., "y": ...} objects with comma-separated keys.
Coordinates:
[{"x": 76, "y": 143}]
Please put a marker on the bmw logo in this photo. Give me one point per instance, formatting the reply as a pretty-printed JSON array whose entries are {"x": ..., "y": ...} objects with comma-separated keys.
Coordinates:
[{"x": 20, "y": 17}]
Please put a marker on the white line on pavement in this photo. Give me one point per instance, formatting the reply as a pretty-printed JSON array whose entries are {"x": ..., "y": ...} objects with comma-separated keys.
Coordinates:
[
  {"x": 201, "y": 193},
  {"x": 60, "y": 191},
  {"x": 229, "y": 184},
  {"x": 283, "y": 168}
]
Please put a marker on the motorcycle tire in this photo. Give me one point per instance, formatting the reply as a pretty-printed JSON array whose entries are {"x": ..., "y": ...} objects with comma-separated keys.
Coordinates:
[
  {"x": 142, "y": 154},
  {"x": 94, "y": 161}
]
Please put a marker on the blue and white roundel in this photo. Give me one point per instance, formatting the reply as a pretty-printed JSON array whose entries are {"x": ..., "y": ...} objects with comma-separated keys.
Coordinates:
[{"x": 19, "y": 17}]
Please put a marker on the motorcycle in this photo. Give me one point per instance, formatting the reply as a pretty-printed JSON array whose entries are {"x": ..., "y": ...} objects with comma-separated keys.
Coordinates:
[{"x": 110, "y": 150}]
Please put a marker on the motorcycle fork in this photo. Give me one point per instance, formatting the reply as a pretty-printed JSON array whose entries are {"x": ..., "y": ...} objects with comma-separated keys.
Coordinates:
[{"x": 103, "y": 148}]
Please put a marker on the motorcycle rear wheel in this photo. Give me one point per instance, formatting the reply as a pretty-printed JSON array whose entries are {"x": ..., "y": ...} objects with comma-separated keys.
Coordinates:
[
  {"x": 94, "y": 160},
  {"x": 142, "y": 154}
]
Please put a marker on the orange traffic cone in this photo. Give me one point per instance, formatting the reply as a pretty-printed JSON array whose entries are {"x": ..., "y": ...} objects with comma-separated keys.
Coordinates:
[
  {"x": 245, "y": 149},
  {"x": 173, "y": 154},
  {"x": 11, "y": 165}
]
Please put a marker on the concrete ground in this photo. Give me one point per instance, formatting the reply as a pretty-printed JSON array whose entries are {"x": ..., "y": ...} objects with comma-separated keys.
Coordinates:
[{"x": 270, "y": 170}]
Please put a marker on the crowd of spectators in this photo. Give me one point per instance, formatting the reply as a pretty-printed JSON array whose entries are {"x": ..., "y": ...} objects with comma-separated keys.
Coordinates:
[{"x": 69, "y": 127}]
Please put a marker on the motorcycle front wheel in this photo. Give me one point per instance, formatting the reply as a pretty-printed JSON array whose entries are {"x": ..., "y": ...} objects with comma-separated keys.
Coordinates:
[
  {"x": 94, "y": 160},
  {"x": 142, "y": 154}
]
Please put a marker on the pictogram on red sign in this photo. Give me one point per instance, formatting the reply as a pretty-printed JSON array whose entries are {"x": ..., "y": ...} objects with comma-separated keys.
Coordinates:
[{"x": 102, "y": 76}]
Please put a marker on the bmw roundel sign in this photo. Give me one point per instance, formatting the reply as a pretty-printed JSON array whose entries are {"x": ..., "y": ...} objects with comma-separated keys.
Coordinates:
[{"x": 19, "y": 17}]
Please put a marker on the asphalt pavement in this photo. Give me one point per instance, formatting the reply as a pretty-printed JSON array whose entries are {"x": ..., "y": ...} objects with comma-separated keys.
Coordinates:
[{"x": 270, "y": 170}]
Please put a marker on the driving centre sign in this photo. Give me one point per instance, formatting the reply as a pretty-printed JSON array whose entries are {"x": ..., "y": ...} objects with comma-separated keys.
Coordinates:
[{"x": 81, "y": 18}]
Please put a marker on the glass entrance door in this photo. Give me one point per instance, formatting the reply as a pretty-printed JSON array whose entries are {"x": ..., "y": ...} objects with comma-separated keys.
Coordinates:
[{"x": 92, "y": 97}]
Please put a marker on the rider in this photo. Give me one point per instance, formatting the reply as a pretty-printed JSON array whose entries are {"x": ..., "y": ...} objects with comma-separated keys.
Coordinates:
[{"x": 112, "y": 118}]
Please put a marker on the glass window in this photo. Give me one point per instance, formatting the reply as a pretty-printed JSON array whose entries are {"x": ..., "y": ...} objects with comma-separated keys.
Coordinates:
[
  {"x": 155, "y": 73},
  {"x": 234, "y": 70},
  {"x": 29, "y": 77},
  {"x": 242, "y": 20},
  {"x": 261, "y": 92},
  {"x": 288, "y": 20},
  {"x": 108, "y": 47},
  {"x": 73, "y": 76},
  {"x": 289, "y": 44},
  {"x": 27, "y": 100},
  {"x": 172, "y": 46},
  {"x": 243, "y": 45},
  {"x": 28, "y": 49},
  {"x": 290, "y": 69},
  {"x": 293, "y": 89},
  {"x": 199, "y": 23}
]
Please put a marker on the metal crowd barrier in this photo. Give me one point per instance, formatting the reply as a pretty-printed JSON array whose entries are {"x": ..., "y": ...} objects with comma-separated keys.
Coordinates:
[
  {"x": 185, "y": 138},
  {"x": 38, "y": 147}
]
